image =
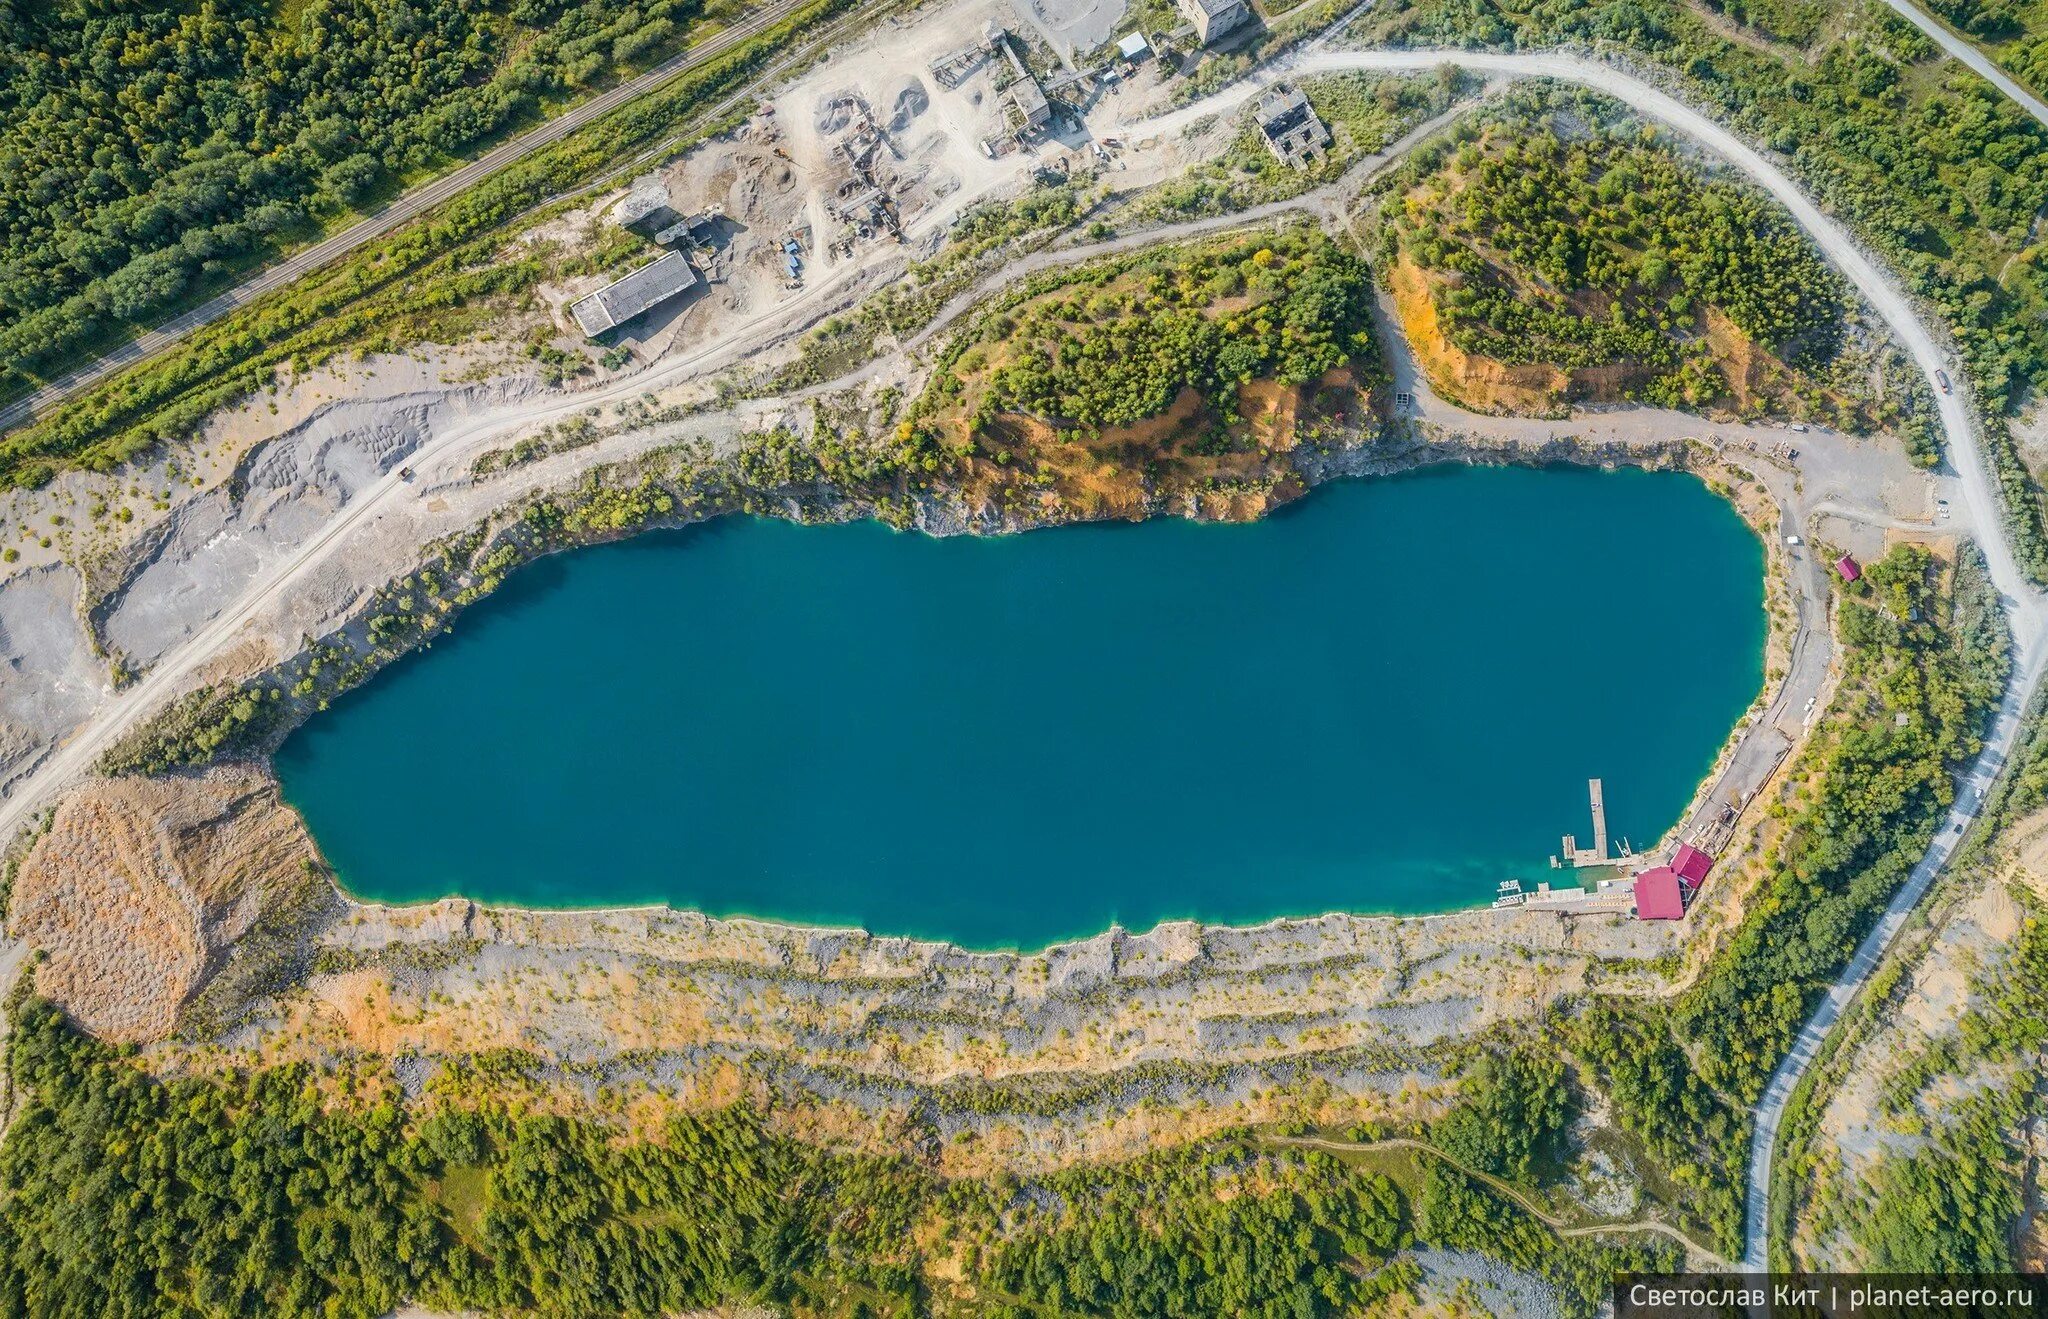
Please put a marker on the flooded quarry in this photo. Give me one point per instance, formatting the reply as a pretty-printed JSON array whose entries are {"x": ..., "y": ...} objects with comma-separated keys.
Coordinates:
[{"x": 1389, "y": 697}]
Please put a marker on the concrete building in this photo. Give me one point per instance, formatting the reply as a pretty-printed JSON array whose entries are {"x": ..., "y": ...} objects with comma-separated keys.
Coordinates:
[
  {"x": 1214, "y": 18},
  {"x": 645, "y": 210},
  {"x": 1025, "y": 97},
  {"x": 1290, "y": 127},
  {"x": 623, "y": 299}
]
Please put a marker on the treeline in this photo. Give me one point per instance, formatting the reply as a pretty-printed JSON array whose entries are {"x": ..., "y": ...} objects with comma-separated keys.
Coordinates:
[
  {"x": 437, "y": 276},
  {"x": 288, "y": 1192},
  {"x": 149, "y": 149},
  {"x": 1878, "y": 785},
  {"x": 2015, "y": 30}
]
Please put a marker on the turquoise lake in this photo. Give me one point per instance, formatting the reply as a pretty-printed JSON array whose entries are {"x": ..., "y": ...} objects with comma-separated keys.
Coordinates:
[{"x": 1386, "y": 698}]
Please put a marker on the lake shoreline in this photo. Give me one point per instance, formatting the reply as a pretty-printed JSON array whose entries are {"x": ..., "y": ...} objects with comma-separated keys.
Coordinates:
[{"x": 1352, "y": 461}]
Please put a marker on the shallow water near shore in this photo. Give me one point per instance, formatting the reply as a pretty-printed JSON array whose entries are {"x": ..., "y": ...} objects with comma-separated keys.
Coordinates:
[{"x": 1386, "y": 698}]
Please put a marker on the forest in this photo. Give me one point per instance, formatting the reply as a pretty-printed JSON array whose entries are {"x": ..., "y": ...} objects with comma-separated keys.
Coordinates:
[
  {"x": 147, "y": 151},
  {"x": 1875, "y": 789},
  {"x": 289, "y": 1192},
  {"x": 1115, "y": 343},
  {"x": 1932, "y": 167},
  {"x": 1603, "y": 248}
]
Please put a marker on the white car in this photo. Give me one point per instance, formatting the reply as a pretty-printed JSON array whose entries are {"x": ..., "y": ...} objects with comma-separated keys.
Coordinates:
[
  {"x": 1794, "y": 540},
  {"x": 1941, "y": 509}
]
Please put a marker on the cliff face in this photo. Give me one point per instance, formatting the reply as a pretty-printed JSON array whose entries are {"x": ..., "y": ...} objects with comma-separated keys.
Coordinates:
[
  {"x": 142, "y": 885},
  {"x": 1484, "y": 384}
]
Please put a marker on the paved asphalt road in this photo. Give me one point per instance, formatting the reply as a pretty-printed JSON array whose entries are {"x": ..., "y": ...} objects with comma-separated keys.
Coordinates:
[
  {"x": 1969, "y": 54},
  {"x": 423, "y": 198},
  {"x": 2025, "y": 608}
]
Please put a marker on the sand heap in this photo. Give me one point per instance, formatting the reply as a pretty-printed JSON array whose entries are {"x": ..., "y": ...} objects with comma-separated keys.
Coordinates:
[{"x": 142, "y": 885}]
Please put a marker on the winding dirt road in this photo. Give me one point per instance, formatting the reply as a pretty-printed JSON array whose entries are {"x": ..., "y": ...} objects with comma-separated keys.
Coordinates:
[
  {"x": 407, "y": 205},
  {"x": 2026, "y": 609},
  {"x": 1549, "y": 1220}
]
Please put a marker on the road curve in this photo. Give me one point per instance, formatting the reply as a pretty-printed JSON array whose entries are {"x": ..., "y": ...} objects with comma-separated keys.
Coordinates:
[
  {"x": 1969, "y": 53},
  {"x": 1549, "y": 1220},
  {"x": 2026, "y": 610},
  {"x": 409, "y": 204}
]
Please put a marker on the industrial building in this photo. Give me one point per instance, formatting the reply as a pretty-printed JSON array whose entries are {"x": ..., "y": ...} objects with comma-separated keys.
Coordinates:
[
  {"x": 1290, "y": 128},
  {"x": 1659, "y": 895},
  {"x": 646, "y": 209},
  {"x": 1215, "y": 18},
  {"x": 1023, "y": 96},
  {"x": 624, "y": 298},
  {"x": 1662, "y": 893}
]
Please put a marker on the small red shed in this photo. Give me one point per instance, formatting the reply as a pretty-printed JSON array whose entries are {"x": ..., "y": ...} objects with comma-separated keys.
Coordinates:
[
  {"x": 1691, "y": 864},
  {"x": 1849, "y": 568},
  {"x": 1658, "y": 897}
]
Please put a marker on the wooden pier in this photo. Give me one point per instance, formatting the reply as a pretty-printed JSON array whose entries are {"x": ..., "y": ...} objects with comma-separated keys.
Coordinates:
[{"x": 1572, "y": 856}]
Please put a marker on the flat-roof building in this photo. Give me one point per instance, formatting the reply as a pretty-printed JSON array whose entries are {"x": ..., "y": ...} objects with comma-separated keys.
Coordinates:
[
  {"x": 1658, "y": 895},
  {"x": 1290, "y": 127},
  {"x": 624, "y": 298},
  {"x": 1213, "y": 18},
  {"x": 1028, "y": 99},
  {"x": 1134, "y": 47}
]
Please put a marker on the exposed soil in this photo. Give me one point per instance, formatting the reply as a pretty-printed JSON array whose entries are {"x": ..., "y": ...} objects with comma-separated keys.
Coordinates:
[{"x": 141, "y": 886}]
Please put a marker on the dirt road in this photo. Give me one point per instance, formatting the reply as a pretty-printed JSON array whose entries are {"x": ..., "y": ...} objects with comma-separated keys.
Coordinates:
[
  {"x": 2025, "y": 607},
  {"x": 415, "y": 202},
  {"x": 1549, "y": 1220}
]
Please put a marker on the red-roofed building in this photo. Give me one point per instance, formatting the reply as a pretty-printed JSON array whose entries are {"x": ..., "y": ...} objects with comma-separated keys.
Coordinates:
[
  {"x": 1691, "y": 864},
  {"x": 1849, "y": 568},
  {"x": 1658, "y": 895}
]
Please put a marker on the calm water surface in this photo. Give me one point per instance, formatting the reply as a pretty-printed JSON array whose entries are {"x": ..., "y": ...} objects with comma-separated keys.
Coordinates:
[{"x": 1387, "y": 698}]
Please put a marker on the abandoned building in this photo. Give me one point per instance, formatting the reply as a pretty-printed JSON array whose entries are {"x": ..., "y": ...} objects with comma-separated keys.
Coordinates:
[
  {"x": 1215, "y": 18},
  {"x": 1290, "y": 127},
  {"x": 1026, "y": 98},
  {"x": 626, "y": 297},
  {"x": 645, "y": 210},
  {"x": 1023, "y": 96}
]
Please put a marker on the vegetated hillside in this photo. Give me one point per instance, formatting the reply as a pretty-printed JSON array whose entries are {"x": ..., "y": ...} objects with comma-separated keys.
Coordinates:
[
  {"x": 1929, "y": 164},
  {"x": 1535, "y": 266},
  {"x": 1188, "y": 371},
  {"x": 286, "y": 1192},
  {"x": 439, "y": 277},
  {"x": 148, "y": 149},
  {"x": 2013, "y": 32}
]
